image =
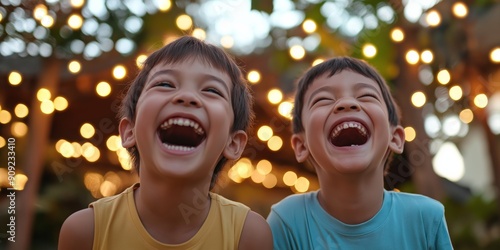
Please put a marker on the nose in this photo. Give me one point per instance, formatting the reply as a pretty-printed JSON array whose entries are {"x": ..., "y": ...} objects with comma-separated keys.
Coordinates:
[
  {"x": 346, "y": 104},
  {"x": 187, "y": 98}
]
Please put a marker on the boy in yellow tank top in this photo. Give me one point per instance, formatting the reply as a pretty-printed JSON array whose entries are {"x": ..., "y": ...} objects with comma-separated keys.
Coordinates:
[{"x": 185, "y": 114}]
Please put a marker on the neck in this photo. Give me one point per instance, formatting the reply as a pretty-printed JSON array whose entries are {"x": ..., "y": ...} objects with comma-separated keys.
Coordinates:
[
  {"x": 352, "y": 199},
  {"x": 175, "y": 208}
]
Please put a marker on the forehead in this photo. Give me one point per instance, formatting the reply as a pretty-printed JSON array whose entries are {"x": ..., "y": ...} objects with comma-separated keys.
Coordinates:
[
  {"x": 343, "y": 80},
  {"x": 194, "y": 67}
]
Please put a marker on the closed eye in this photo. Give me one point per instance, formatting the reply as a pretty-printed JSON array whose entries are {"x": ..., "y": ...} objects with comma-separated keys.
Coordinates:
[
  {"x": 321, "y": 99},
  {"x": 369, "y": 96},
  {"x": 165, "y": 84},
  {"x": 214, "y": 90}
]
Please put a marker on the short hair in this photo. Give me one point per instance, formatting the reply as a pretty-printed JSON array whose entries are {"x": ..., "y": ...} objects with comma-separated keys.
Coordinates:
[
  {"x": 332, "y": 67},
  {"x": 184, "y": 48}
]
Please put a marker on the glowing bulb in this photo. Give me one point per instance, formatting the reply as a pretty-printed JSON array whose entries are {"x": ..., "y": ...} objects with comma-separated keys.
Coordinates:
[
  {"x": 418, "y": 99},
  {"x": 87, "y": 130},
  {"x": 275, "y": 143},
  {"x": 103, "y": 89},
  {"x": 427, "y": 56},
  {"x": 466, "y": 116},
  {"x": 433, "y": 18},
  {"x": 199, "y": 33},
  {"x": 21, "y": 110},
  {"x": 43, "y": 94},
  {"x": 297, "y": 52},
  {"x": 309, "y": 26},
  {"x": 444, "y": 77},
  {"x": 15, "y": 78},
  {"x": 410, "y": 134},
  {"x": 74, "y": 67},
  {"x": 119, "y": 72},
  {"x": 455, "y": 93},
  {"x": 274, "y": 96},
  {"x": 184, "y": 22},
  {"x": 75, "y": 21},
  {"x": 164, "y": 5},
  {"x": 253, "y": 76},
  {"x": 460, "y": 10},
  {"x": 60, "y": 103},
  {"x": 495, "y": 55},
  {"x": 139, "y": 61},
  {"x": 265, "y": 133},
  {"x": 412, "y": 57},
  {"x": 227, "y": 42},
  {"x": 481, "y": 101},
  {"x": 369, "y": 50},
  {"x": 397, "y": 35}
]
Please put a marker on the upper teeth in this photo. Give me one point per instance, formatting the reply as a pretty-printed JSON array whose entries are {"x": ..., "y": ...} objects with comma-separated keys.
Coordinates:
[
  {"x": 183, "y": 122},
  {"x": 345, "y": 125}
]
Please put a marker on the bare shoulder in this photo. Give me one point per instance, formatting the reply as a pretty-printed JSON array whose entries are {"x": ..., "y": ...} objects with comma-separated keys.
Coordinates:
[
  {"x": 256, "y": 233},
  {"x": 77, "y": 231}
]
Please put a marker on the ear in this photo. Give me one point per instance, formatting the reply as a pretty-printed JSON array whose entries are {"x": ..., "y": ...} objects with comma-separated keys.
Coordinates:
[
  {"x": 398, "y": 140},
  {"x": 299, "y": 147},
  {"x": 126, "y": 128},
  {"x": 235, "y": 145}
]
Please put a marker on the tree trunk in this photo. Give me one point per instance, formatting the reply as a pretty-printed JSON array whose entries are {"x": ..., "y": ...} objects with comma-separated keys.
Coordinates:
[
  {"x": 419, "y": 158},
  {"x": 38, "y": 135}
]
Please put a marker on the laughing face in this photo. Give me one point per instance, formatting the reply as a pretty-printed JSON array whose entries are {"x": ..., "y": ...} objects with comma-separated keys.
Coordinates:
[
  {"x": 183, "y": 121},
  {"x": 346, "y": 125}
]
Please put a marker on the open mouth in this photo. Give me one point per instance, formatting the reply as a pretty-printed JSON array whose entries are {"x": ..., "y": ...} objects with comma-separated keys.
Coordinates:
[
  {"x": 348, "y": 134},
  {"x": 181, "y": 134}
]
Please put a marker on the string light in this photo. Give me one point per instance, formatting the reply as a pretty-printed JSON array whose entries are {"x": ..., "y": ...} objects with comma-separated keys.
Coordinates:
[
  {"x": 77, "y": 3},
  {"x": 87, "y": 130},
  {"x": 43, "y": 94},
  {"x": 103, "y": 89},
  {"x": 466, "y": 116},
  {"x": 184, "y": 22},
  {"x": 47, "y": 107},
  {"x": 285, "y": 109},
  {"x": 265, "y": 133},
  {"x": 119, "y": 72},
  {"x": 19, "y": 129},
  {"x": 369, "y": 50},
  {"x": 164, "y": 5},
  {"x": 418, "y": 99},
  {"x": 410, "y": 134},
  {"x": 297, "y": 52},
  {"x": 433, "y": 18},
  {"x": 253, "y": 76},
  {"x": 21, "y": 110},
  {"x": 15, "y": 78},
  {"x": 481, "y": 100},
  {"x": 5, "y": 116},
  {"x": 74, "y": 67},
  {"x": 275, "y": 143},
  {"x": 495, "y": 55},
  {"x": 39, "y": 12},
  {"x": 397, "y": 35},
  {"x": 317, "y": 61},
  {"x": 60, "y": 103},
  {"x": 289, "y": 178},
  {"x": 444, "y": 77},
  {"x": 199, "y": 33},
  {"x": 75, "y": 21},
  {"x": 274, "y": 96},
  {"x": 455, "y": 93},
  {"x": 302, "y": 184},
  {"x": 412, "y": 57},
  {"x": 427, "y": 56},
  {"x": 460, "y": 10},
  {"x": 309, "y": 26}
]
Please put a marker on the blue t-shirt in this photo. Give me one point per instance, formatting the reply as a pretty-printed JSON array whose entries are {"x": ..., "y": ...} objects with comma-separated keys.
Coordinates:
[{"x": 405, "y": 221}]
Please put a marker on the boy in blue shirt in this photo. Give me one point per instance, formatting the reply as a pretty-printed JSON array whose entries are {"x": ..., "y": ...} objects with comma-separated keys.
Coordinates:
[{"x": 346, "y": 125}]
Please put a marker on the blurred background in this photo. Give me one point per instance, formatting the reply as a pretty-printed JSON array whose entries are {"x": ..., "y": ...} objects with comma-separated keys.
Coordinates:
[{"x": 65, "y": 63}]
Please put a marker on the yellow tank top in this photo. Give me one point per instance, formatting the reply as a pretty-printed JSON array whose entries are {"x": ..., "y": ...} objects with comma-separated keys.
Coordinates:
[{"x": 117, "y": 225}]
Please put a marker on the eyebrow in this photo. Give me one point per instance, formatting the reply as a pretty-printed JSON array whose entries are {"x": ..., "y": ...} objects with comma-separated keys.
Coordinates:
[
  {"x": 357, "y": 86},
  {"x": 176, "y": 72}
]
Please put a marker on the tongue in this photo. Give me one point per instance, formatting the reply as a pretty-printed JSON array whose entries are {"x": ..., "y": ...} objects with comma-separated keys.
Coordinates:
[{"x": 349, "y": 137}]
